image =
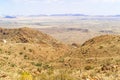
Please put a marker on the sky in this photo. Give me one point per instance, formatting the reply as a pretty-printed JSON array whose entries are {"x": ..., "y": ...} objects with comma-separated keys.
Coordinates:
[{"x": 36, "y": 7}]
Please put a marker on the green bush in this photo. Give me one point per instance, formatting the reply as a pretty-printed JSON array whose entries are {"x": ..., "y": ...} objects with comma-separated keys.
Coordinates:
[{"x": 38, "y": 64}]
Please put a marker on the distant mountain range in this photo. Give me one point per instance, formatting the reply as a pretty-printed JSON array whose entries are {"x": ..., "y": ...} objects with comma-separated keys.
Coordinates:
[
  {"x": 9, "y": 16},
  {"x": 68, "y": 15}
]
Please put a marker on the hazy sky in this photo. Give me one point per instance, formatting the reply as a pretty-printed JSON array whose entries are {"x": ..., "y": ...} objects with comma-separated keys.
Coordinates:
[{"x": 35, "y": 7}]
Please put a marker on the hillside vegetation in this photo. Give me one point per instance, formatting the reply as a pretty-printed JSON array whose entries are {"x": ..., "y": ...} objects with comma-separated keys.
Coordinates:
[{"x": 28, "y": 54}]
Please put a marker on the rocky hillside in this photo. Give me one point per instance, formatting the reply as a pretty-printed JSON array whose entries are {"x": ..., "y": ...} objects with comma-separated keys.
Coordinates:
[
  {"x": 28, "y": 54},
  {"x": 26, "y": 48},
  {"x": 25, "y": 35},
  {"x": 105, "y": 45}
]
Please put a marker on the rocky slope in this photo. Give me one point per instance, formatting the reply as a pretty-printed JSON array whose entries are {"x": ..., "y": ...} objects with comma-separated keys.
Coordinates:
[
  {"x": 29, "y": 53},
  {"x": 26, "y": 49},
  {"x": 101, "y": 46}
]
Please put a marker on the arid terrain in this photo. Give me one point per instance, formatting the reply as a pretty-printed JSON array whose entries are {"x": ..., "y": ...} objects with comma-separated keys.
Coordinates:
[
  {"x": 68, "y": 29},
  {"x": 60, "y": 48}
]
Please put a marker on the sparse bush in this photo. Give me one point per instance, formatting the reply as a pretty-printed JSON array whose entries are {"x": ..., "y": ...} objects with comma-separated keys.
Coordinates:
[
  {"x": 13, "y": 65},
  {"x": 24, "y": 48},
  {"x": 5, "y": 57},
  {"x": 26, "y": 76},
  {"x": 39, "y": 64},
  {"x": 100, "y": 47},
  {"x": 88, "y": 67},
  {"x": 0, "y": 50},
  {"x": 9, "y": 52},
  {"x": 26, "y": 57},
  {"x": 30, "y": 50},
  {"x": 21, "y": 53},
  {"x": 46, "y": 66}
]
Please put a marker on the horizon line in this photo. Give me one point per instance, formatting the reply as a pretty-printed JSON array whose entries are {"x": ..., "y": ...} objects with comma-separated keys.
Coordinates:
[{"x": 62, "y": 14}]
